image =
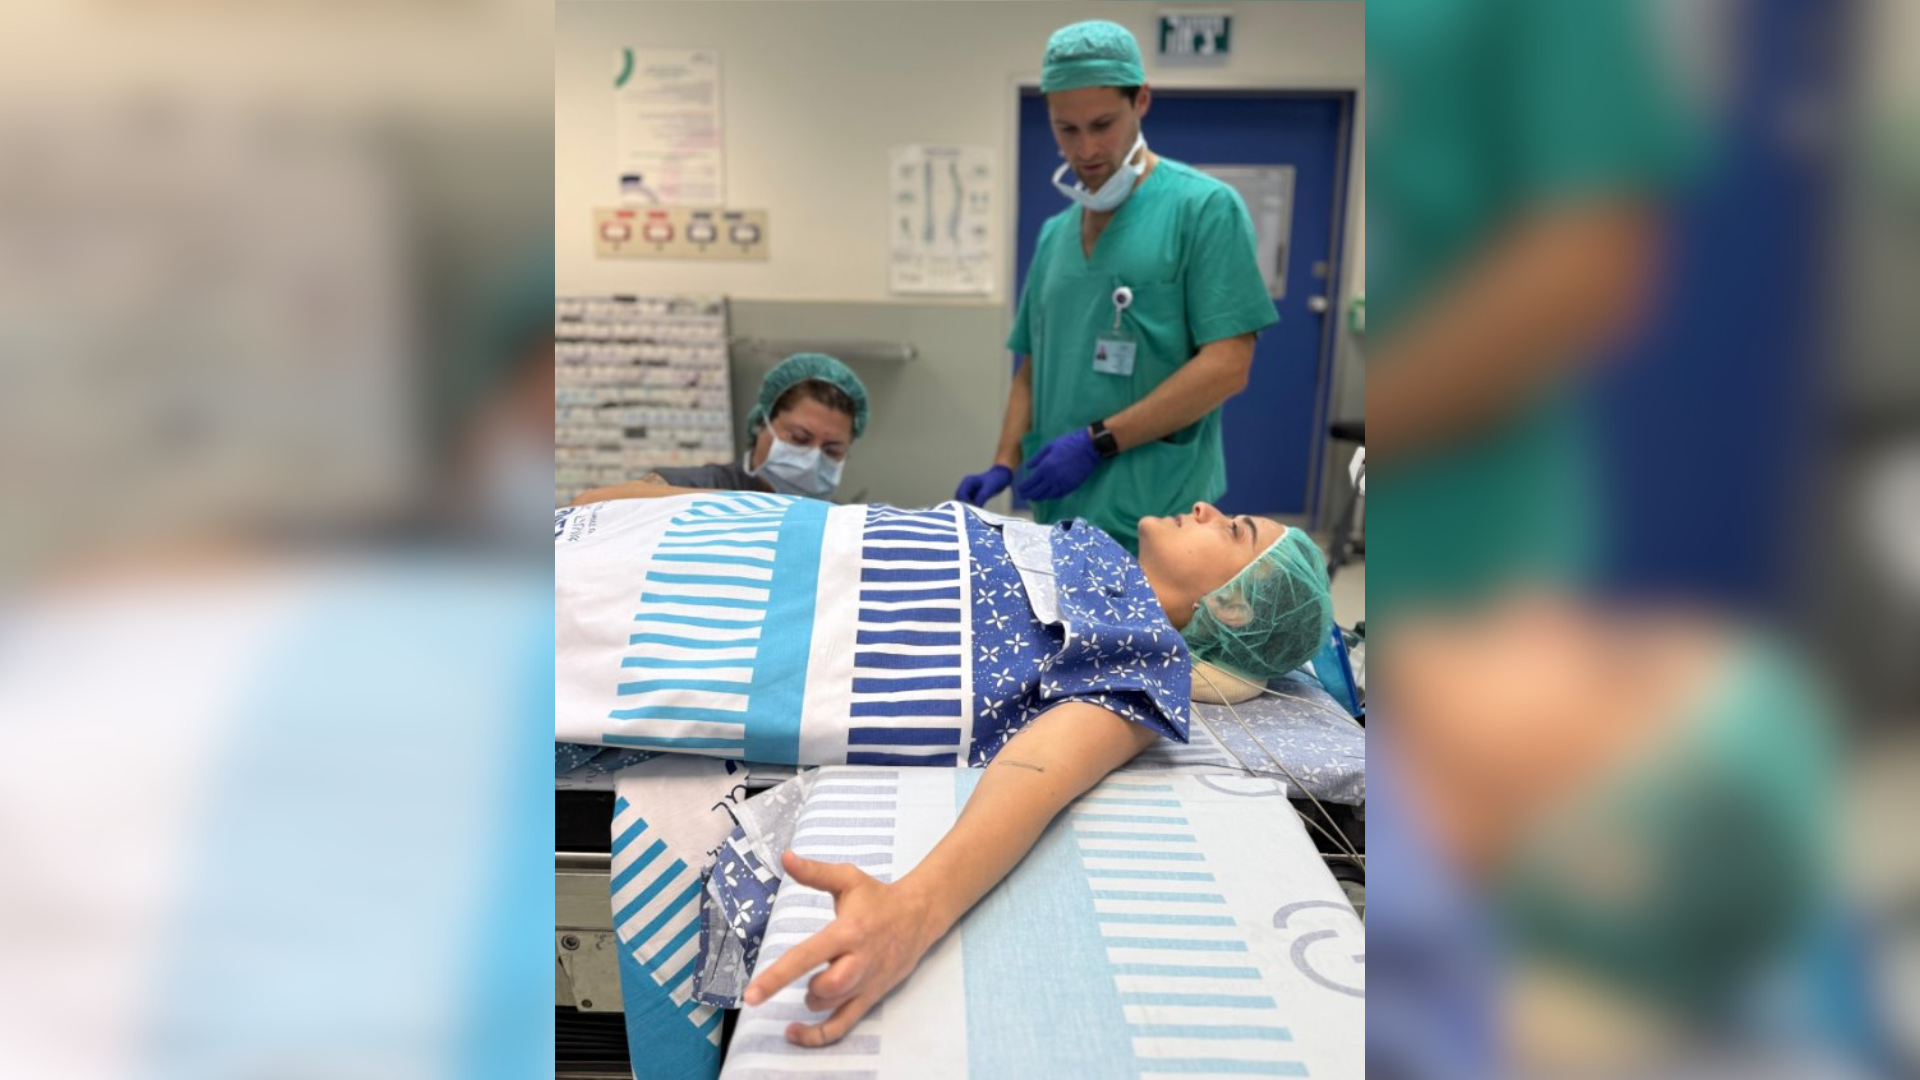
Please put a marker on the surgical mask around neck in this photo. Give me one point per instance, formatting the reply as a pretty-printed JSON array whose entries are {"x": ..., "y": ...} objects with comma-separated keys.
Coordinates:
[
  {"x": 1115, "y": 190},
  {"x": 797, "y": 470}
]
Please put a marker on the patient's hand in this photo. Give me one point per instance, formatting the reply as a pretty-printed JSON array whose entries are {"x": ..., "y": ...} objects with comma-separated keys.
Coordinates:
[{"x": 878, "y": 935}]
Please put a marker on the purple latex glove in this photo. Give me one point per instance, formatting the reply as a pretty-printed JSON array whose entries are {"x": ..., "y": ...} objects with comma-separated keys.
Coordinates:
[
  {"x": 1060, "y": 466},
  {"x": 978, "y": 488}
]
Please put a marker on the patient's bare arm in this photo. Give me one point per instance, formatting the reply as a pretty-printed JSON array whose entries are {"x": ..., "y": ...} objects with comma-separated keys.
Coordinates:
[
  {"x": 650, "y": 487},
  {"x": 881, "y": 931}
]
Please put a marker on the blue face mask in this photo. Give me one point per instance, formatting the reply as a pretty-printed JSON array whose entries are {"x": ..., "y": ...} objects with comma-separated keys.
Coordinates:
[
  {"x": 796, "y": 470},
  {"x": 1115, "y": 190}
]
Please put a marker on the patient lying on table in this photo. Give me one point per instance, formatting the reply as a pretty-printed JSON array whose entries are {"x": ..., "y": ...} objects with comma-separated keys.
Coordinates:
[{"x": 784, "y": 630}]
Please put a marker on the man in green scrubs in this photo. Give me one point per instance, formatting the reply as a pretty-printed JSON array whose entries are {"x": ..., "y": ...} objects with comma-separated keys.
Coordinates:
[
  {"x": 1138, "y": 316},
  {"x": 1518, "y": 153}
]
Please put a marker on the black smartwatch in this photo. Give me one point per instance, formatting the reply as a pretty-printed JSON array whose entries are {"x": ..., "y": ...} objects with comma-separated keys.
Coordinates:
[{"x": 1103, "y": 440}]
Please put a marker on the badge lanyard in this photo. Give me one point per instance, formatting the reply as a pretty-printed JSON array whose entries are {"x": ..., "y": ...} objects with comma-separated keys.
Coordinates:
[{"x": 1113, "y": 351}]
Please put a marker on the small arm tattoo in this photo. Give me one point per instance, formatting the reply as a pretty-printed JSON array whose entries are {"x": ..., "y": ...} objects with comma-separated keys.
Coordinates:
[{"x": 1018, "y": 764}]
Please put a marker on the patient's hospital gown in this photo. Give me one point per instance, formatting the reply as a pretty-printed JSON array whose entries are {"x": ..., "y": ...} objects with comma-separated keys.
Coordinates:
[{"x": 1111, "y": 645}]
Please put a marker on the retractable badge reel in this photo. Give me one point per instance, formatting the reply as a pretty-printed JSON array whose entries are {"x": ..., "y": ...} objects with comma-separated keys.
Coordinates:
[{"x": 1113, "y": 351}]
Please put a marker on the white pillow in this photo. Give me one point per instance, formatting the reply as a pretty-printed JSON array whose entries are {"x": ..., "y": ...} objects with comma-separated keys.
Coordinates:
[{"x": 1217, "y": 686}]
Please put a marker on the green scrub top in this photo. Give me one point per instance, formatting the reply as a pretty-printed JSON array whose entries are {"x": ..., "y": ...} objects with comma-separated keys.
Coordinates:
[
  {"x": 1480, "y": 112},
  {"x": 1183, "y": 242}
]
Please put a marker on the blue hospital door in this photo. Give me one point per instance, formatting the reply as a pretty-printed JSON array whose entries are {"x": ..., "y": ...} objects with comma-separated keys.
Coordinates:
[{"x": 1292, "y": 146}]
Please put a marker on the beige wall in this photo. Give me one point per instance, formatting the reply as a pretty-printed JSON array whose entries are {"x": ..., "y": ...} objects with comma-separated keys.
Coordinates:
[{"x": 816, "y": 93}]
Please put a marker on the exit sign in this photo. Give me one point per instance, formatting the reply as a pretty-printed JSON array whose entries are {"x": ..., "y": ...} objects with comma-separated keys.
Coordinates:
[{"x": 1190, "y": 35}]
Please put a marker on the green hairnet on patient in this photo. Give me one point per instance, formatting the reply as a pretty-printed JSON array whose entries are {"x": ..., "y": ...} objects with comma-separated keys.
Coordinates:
[
  {"x": 1095, "y": 53},
  {"x": 1684, "y": 875},
  {"x": 1273, "y": 615},
  {"x": 804, "y": 367}
]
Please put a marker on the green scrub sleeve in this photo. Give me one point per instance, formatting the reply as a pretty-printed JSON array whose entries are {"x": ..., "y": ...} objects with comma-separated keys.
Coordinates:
[
  {"x": 1226, "y": 296},
  {"x": 1595, "y": 107},
  {"x": 1020, "y": 340}
]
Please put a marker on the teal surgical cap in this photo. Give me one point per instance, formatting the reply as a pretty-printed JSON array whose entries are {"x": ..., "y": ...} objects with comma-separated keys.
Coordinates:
[
  {"x": 508, "y": 312},
  {"x": 1684, "y": 876},
  {"x": 802, "y": 367},
  {"x": 1272, "y": 617},
  {"x": 1091, "y": 54}
]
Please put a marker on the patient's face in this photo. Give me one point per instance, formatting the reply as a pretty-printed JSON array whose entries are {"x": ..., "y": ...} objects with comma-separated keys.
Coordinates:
[{"x": 1199, "y": 551}]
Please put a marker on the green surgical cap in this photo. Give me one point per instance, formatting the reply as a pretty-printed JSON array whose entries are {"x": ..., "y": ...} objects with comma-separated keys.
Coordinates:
[
  {"x": 1684, "y": 875},
  {"x": 802, "y": 367},
  {"x": 1091, "y": 54},
  {"x": 1272, "y": 617},
  {"x": 506, "y": 313}
]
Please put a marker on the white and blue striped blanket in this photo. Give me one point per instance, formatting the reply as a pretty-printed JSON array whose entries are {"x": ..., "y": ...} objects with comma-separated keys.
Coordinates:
[
  {"x": 1163, "y": 926},
  {"x": 788, "y": 631}
]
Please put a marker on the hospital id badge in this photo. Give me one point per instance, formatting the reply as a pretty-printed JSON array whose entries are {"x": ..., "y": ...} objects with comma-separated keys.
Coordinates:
[{"x": 1113, "y": 355}]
